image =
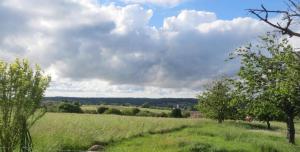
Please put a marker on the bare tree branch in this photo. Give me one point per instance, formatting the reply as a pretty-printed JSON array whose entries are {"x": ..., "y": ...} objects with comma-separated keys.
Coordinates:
[{"x": 289, "y": 16}]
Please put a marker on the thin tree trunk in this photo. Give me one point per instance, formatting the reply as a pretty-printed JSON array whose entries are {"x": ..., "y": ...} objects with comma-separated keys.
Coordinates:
[{"x": 290, "y": 129}]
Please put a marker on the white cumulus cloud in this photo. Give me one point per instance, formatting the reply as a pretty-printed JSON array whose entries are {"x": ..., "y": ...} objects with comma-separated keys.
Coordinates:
[
  {"x": 166, "y": 3},
  {"x": 104, "y": 50}
]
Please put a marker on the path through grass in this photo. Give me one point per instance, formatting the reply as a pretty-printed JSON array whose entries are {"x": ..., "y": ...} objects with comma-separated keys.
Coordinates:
[{"x": 212, "y": 137}]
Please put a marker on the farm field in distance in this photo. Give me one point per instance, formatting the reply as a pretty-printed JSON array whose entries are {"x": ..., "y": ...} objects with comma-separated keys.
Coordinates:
[
  {"x": 64, "y": 131},
  {"x": 94, "y": 107}
]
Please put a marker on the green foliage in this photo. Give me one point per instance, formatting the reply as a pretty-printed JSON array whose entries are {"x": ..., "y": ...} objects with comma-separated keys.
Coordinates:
[
  {"x": 131, "y": 111},
  {"x": 113, "y": 111},
  {"x": 21, "y": 91},
  {"x": 176, "y": 113},
  {"x": 186, "y": 114},
  {"x": 215, "y": 101},
  {"x": 69, "y": 107},
  {"x": 101, "y": 110},
  {"x": 270, "y": 79}
]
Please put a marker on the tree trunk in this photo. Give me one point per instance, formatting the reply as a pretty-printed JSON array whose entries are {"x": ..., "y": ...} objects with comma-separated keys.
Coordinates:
[
  {"x": 268, "y": 124},
  {"x": 220, "y": 120},
  {"x": 290, "y": 129}
]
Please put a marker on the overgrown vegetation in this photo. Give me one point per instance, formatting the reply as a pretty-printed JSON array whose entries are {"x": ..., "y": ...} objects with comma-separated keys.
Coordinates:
[{"x": 21, "y": 91}]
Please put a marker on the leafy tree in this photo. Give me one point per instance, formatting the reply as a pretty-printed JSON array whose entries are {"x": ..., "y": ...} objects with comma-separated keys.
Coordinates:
[
  {"x": 176, "y": 113},
  {"x": 215, "y": 101},
  {"x": 69, "y": 107},
  {"x": 264, "y": 110},
  {"x": 21, "y": 91},
  {"x": 257, "y": 106},
  {"x": 271, "y": 71}
]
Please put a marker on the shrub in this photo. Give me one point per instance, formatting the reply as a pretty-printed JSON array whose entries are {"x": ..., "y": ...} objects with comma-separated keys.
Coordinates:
[
  {"x": 135, "y": 110},
  {"x": 69, "y": 107},
  {"x": 131, "y": 111},
  {"x": 163, "y": 114},
  {"x": 101, "y": 110},
  {"x": 113, "y": 111},
  {"x": 176, "y": 113},
  {"x": 186, "y": 114}
]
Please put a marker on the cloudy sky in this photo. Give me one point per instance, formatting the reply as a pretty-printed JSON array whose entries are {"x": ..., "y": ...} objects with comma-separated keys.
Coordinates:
[{"x": 129, "y": 48}]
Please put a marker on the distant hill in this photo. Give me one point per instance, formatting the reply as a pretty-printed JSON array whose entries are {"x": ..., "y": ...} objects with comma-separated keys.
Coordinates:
[{"x": 161, "y": 102}]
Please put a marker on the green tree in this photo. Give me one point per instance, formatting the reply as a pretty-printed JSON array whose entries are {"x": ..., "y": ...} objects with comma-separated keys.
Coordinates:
[
  {"x": 176, "y": 113},
  {"x": 21, "y": 91},
  {"x": 270, "y": 70},
  {"x": 257, "y": 106},
  {"x": 69, "y": 107},
  {"x": 215, "y": 101},
  {"x": 263, "y": 110}
]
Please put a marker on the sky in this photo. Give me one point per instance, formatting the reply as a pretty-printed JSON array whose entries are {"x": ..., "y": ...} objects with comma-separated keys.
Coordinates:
[{"x": 129, "y": 48}]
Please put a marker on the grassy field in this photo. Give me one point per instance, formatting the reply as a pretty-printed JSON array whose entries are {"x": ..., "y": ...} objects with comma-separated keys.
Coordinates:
[
  {"x": 58, "y": 131},
  {"x": 94, "y": 107}
]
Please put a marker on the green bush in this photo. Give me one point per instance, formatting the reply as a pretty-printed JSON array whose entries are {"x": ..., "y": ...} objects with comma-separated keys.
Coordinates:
[
  {"x": 131, "y": 111},
  {"x": 135, "y": 111},
  {"x": 113, "y": 111},
  {"x": 69, "y": 107},
  {"x": 101, "y": 110},
  {"x": 186, "y": 114},
  {"x": 163, "y": 114},
  {"x": 176, "y": 113}
]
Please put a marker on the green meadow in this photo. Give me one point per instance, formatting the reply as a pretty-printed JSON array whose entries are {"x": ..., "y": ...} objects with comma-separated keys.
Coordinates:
[{"x": 62, "y": 131}]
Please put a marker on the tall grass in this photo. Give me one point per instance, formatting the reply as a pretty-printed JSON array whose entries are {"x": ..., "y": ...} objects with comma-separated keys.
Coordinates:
[
  {"x": 212, "y": 137},
  {"x": 60, "y": 131}
]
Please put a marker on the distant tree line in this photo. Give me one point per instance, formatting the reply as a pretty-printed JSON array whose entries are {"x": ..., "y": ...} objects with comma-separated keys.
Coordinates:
[
  {"x": 184, "y": 103},
  {"x": 75, "y": 107}
]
